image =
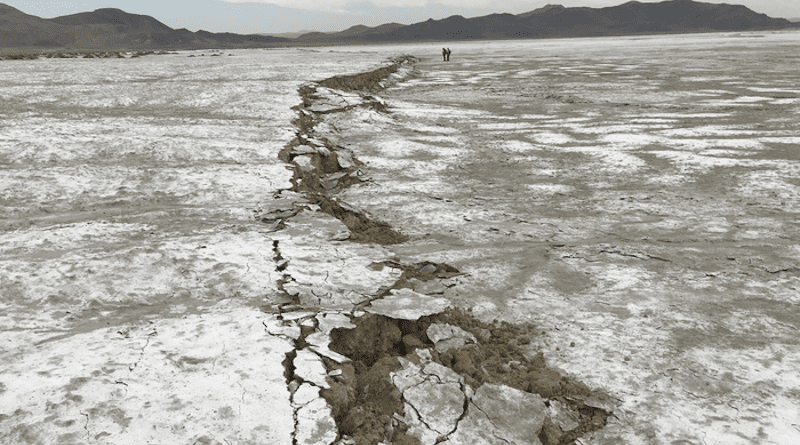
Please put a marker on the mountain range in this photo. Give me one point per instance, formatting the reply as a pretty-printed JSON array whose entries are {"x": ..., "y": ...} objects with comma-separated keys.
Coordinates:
[{"x": 109, "y": 29}]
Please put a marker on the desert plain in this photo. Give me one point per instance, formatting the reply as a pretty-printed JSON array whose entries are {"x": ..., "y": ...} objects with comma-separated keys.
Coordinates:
[{"x": 630, "y": 203}]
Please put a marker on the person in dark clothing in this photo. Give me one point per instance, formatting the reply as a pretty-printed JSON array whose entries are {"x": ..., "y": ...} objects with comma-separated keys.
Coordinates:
[
  {"x": 448, "y": 54},
  {"x": 444, "y": 54}
]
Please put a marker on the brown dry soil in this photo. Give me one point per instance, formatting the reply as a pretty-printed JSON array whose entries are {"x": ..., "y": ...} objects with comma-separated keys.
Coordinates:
[{"x": 363, "y": 399}]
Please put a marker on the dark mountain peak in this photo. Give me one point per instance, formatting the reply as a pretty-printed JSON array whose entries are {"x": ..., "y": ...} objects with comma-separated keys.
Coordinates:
[
  {"x": 357, "y": 28},
  {"x": 113, "y": 16},
  {"x": 115, "y": 11},
  {"x": 6, "y": 9},
  {"x": 358, "y": 31},
  {"x": 633, "y": 4},
  {"x": 544, "y": 9}
]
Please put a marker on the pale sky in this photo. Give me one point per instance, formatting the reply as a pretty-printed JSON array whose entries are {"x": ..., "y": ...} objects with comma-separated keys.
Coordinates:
[{"x": 275, "y": 16}]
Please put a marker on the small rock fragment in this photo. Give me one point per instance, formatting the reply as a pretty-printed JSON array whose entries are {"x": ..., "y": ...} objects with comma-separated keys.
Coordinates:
[
  {"x": 320, "y": 344},
  {"x": 344, "y": 158},
  {"x": 432, "y": 287},
  {"x": 296, "y": 315},
  {"x": 304, "y": 394},
  {"x": 551, "y": 433},
  {"x": 330, "y": 321},
  {"x": 562, "y": 415},
  {"x": 428, "y": 269},
  {"x": 433, "y": 395},
  {"x": 448, "y": 282},
  {"x": 343, "y": 235},
  {"x": 601, "y": 401},
  {"x": 304, "y": 149},
  {"x": 309, "y": 367},
  {"x": 280, "y": 327},
  {"x": 446, "y": 337},
  {"x": 305, "y": 162}
]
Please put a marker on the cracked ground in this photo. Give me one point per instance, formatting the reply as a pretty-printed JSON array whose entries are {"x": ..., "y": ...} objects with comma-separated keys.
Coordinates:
[{"x": 167, "y": 279}]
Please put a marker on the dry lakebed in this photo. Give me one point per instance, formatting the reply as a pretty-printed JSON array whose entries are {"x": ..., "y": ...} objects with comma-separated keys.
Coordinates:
[{"x": 589, "y": 241}]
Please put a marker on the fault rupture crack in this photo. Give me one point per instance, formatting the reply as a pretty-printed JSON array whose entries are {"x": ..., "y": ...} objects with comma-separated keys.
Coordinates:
[{"x": 364, "y": 401}]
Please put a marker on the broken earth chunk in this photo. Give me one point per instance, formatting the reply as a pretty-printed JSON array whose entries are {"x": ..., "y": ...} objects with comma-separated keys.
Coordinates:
[
  {"x": 562, "y": 416},
  {"x": 305, "y": 162},
  {"x": 315, "y": 424},
  {"x": 407, "y": 304},
  {"x": 501, "y": 415},
  {"x": 309, "y": 367},
  {"x": 304, "y": 394},
  {"x": 400, "y": 389},
  {"x": 435, "y": 395},
  {"x": 446, "y": 337},
  {"x": 282, "y": 327}
]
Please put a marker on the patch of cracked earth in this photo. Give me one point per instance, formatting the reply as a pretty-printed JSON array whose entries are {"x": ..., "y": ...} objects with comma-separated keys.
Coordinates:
[{"x": 142, "y": 344}]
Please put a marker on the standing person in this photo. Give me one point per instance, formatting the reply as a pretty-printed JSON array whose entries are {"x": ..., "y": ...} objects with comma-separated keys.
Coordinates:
[
  {"x": 444, "y": 55},
  {"x": 448, "y": 54}
]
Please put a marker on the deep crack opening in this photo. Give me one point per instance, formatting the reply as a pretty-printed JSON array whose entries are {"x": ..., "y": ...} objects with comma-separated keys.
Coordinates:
[
  {"x": 288, "y": 366},
  {"x": 322, "y": 168},
  {"x": 362, "y": 228},
  {"x": 280, "y": 266},
  {"x": 464, "y": 413}
]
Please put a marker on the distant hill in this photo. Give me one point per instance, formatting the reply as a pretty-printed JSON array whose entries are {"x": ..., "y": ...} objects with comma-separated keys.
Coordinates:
[
  {"x": 631, "y": 18},
  {"x": 287, "y": 35},
  {"x": 114, "y": 29},
  {"x": 20, "y": 29}
]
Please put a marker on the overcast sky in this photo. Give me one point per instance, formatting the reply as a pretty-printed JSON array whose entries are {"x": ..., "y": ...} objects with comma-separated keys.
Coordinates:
[{"x": 275, "y": 16}]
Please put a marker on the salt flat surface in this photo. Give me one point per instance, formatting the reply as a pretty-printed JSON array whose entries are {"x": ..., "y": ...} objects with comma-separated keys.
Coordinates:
[
  {"x": 132, "y": 270},
  {"x": 636, "y": 199}
]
